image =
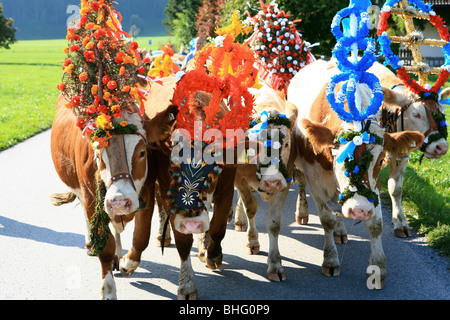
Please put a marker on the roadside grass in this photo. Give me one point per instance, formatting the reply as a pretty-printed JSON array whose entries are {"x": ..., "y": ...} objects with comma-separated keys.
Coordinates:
[{"x": 29, "y": 73}]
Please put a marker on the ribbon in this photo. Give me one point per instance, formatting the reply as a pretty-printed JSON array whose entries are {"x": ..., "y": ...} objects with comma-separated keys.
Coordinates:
[
  {"x": 262, "y": 125},
  {"x": 348, "y": 151}
]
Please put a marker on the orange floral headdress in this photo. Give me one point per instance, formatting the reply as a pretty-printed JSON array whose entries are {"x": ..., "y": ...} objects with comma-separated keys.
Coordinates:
[
  {"x": 104, "y": 75},
  {"x": 229, "y": 76}
]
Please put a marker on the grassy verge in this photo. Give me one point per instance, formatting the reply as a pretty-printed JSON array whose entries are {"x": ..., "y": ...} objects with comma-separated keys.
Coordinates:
[{"x": 29, "y": 73}]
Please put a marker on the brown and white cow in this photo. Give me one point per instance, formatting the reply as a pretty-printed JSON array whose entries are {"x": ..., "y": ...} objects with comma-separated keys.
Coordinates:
[
  {"x": 271, "y": 182},
  {"x": 122, "y": 166},
  {"x": 220, "y": 194},
  {"x": 315, "y": 132},
  {"x": 410, "y": 113}
]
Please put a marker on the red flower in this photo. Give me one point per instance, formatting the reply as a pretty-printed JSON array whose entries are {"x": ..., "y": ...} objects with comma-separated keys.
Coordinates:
[
  {"x": 134, "y": 45},
  {"x": 102, "y": 109},
  {"x": 81, "y": 123},
  {"x": 106, "y": 79},
  {"x": 74, "y": 48},
  {"x": 112, "y": 85},
  {"x": 90, "y": 56},
  {"x": 83, "y": 76},
  {"x": 141, "y": 70},
  {"x": 75, "y": 101},
  {"x": 95, "y": 6}
]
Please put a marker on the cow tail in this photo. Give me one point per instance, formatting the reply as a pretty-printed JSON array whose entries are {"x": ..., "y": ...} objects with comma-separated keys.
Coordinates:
[{"x": 59, "y": 199}]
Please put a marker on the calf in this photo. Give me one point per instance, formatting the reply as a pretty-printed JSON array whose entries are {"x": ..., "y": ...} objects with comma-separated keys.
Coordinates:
[
  {"x": 122, "y": 167},
  {"x": 271, "y": 179},
  {"x": 316, "y": 132},
  {"x": 402, "y": 111}
]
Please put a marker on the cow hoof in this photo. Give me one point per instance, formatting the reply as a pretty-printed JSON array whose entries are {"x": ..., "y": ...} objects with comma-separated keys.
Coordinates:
[
  {"x": 202, "y": 256},
  {"x": 127, "y": 266},
  {"x": 277, "y": 276},
  {"x": 341, "y": 239},
  {"x": 331, "y": 272},
  {"x": 190, "y": 296},
  {"x": 302, "y": 220},
  {"x": 403, "y": 232},
  {"x": 214, "y": 263},
  {"x": 240, "y": 227},
  {"x": 159, "y": 242},
  {"x": 253, "y": 249}
]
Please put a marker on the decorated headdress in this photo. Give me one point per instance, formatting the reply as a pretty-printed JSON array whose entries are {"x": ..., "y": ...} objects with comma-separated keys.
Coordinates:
[
  {"x": 227, "y": 78},
  {"x": 355, "y": 21},
  {"x": 278, "y": 45},
  {"x": 413, "y": 40},
  {"x": 104, "y": 74},
  {"x": 163, "y": 65}
]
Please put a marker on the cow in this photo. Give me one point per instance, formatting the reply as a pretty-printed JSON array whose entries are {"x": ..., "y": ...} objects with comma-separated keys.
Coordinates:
[
  {"x": 316, "y": 133},
  {"x": 123, "y": 168},
  {"x": 220, "y": 193},
  {"x": 272, "y": 180},
  {"x": 408, "y": 113}
]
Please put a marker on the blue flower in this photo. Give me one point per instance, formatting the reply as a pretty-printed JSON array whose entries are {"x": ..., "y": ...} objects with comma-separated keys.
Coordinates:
[
  {"x": 268, "y": 143},
  {"x": 443, "y": 123},
  {"x": 341, "y": 196},
  {"x": 356, "y": 170}
]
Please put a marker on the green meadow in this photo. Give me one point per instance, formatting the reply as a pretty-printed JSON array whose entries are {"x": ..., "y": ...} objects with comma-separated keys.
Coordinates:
[{"x": 30, "y": 71}]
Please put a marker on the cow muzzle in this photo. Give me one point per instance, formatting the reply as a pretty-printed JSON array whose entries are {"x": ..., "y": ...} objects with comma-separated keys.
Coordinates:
[
  {"x": 358, "y": 208},
  {"x": 193, "y": 225}
]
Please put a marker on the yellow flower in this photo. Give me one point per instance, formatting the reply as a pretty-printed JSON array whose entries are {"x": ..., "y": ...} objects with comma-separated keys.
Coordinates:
[
  {"x": 124, "y": 123},
  {"x": 104, "y": 122}
]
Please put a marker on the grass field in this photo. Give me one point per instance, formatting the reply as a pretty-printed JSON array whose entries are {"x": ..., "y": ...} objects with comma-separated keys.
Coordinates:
[{"x": 30, "y": 71}]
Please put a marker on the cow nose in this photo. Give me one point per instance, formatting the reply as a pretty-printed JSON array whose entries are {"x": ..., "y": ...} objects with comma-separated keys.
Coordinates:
[
  {"x": 194, "y": 226},
  {"x": 359, "y": 214},
  {"x": 272, "y": 184},
  {"x": 441, "y": 149},
  {"x": 119, "y": 205}
]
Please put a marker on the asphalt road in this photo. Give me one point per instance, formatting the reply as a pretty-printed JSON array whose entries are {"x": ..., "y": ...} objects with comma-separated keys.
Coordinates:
[{"x": 43, "y": 257}]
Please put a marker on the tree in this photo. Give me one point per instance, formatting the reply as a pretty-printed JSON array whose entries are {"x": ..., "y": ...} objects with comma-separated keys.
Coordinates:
[
  {"x": 181, "y": 18},
  {"x": 7, "y": 31},
  {"x": 207, "y": 17}
]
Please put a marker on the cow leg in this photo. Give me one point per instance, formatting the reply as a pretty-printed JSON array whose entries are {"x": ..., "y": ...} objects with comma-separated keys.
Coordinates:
[
  {"x": 395, "y": 187},
  {"x": 162, "y": 220},
  {"x": 187, "y": 289},
  {"x": 250, "y": 204},
  {"x": 223, "y": 200},
  {"x": 340, "y": 232},
  {"x": 275, "y": 271},
  {"x": 330, "y": 265},
  {"x": 108, "y": 289},
  {"x": 302, "y": 211},
  {"x": 119, "y": 250},
  {"x": 141, "y": 235},
  {"x": 377, "y": 256},
  {"x": 240, "y": 222}
]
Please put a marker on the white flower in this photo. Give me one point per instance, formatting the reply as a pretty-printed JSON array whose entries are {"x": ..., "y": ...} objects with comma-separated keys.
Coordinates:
[
  {"x": 387, "y": 8},
  {"x": 286, "y": 48},
  {"x": 357, "y": 140},
  {"x": 295, "y": 62},
  {"x": 276, "y": 145},
  {"x": 432, "y": 13},
  {"x": 428, "y": 86},
  {"x": 297, "y": 47},
  {"x": 352, "y": 188},
  {"x": 282, "y": 69},
  {"x": 218, "y": 42},
  {"x": 264, "y": 118}
]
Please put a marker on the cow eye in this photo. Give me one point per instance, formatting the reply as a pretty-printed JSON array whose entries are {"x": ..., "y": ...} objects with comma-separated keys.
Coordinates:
[
  {"x": 416, "y": 115},
  {"x": 142, "y": 154}
]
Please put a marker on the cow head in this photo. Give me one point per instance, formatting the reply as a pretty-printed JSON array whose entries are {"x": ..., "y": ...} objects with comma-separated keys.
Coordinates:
[
  {"x": 357, "y": 160},
  {"x": 274, "y": 131},
  {"x": 425, "y": 116},
  {"x": 123, "y": 164}
]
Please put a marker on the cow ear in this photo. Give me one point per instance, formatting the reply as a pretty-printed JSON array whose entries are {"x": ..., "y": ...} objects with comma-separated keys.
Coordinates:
[
  {"x": 445, "y": 93},
  {"x": 161, "y": 125},
  {"x": 292, "y": 113},
  {"x": 318, "y": 135},
  {"x": 393, "y": 99},
  {"x": 401, "y": 143}
]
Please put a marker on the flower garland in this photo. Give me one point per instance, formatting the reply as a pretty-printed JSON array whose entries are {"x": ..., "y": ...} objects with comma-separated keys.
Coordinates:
[
  {"x": 278, "y": 45},
  {"x": 229, "y": 78},
  {"x": 356, "y": 171},
  {"x": 442, "y": 133},
  {"x": 353, "y": 73},
  {"x": 99, "y": 231},
  {"x": 257, "y": 126},
  {"x": 103, "y": 75},
  {"x": 394, "y": 61}
]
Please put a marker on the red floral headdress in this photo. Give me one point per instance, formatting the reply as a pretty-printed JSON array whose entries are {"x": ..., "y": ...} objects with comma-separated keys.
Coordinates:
[
  {"x": 230, "y": 75},
  {"x": 104, "y": 75}
]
